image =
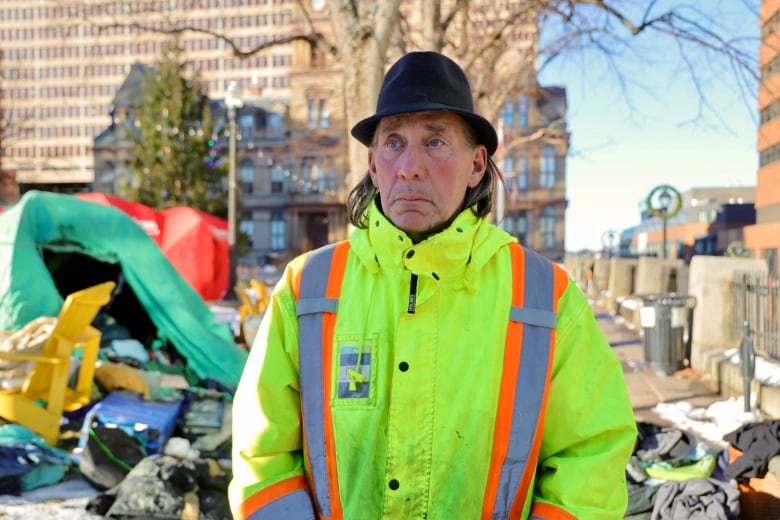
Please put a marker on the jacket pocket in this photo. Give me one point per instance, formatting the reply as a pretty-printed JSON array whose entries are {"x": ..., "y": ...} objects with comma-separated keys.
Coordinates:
[{"x": 356, "y": 362}]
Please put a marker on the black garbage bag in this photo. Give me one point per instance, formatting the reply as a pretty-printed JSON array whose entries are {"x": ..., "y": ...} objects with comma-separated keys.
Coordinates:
[
  {"x": 159, "y": 486},
  {"x": 108, "y": 456}
]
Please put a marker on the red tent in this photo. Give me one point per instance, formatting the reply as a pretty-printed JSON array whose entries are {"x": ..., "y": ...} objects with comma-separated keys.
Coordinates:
[
  {"x": 148, "y": 218},
  {"x": 196, "y": 243}
]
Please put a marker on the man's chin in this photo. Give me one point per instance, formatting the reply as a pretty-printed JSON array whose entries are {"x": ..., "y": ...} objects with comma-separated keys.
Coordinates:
[
  {"x": 417, "y": 227},
  {"x": 411, "y": 221}
]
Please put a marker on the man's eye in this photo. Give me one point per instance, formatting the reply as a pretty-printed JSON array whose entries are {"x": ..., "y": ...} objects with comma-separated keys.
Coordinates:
[
  {"x": 435, "y": 143},
  {"x": 392, "y": 143}
]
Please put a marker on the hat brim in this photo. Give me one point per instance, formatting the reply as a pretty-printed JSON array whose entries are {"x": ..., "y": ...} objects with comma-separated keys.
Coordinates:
[{"x": 364, "y": 130}]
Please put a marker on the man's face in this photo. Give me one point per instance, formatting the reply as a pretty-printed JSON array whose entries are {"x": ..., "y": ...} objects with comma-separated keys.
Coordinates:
[{"x": 422, "y": 164}]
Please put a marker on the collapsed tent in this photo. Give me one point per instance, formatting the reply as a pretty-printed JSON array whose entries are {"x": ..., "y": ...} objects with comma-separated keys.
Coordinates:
[{"x": 52, "y": 245}]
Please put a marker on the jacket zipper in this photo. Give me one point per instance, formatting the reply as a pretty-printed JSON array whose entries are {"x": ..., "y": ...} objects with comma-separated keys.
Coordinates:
[{"x": 412, "y": 294}]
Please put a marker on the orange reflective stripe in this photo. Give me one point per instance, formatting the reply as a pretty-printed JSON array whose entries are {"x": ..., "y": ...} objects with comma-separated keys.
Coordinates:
[
  {"x": 561, "y": 282},
  {"x": 297, "y": 269},
  {"x": 506, "y": 404},
  {"x": 337, "y": 267},
  {"x": 267, "y": 495},
  {"x": 545, "y": 511}
]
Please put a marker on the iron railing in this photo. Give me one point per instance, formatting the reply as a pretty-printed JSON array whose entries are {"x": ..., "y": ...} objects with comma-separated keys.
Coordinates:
[{"x": 756, "y": 312}]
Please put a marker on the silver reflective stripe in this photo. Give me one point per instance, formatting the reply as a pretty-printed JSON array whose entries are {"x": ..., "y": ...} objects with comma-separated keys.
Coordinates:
[
  {"x": 316, "y": 305},
  {"x": 295, "y": 506},
  {"x": 531, "y": 378},
  {"x": 536, "y": 317},
  {"x": 314, "y": 282}
]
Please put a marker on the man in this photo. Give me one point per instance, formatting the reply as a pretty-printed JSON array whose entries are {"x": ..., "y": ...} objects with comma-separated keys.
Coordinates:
[{"x": 429, "y": 367}]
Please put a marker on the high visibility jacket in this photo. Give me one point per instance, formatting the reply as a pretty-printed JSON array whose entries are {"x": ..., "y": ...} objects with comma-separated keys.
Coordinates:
[{"x": 461, "y": 377}]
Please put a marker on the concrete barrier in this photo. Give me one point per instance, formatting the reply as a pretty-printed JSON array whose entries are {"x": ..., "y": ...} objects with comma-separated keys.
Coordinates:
[{"x": 710, "y": 282}]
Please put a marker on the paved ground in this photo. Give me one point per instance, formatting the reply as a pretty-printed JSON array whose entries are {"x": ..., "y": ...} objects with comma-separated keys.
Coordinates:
[{"x": 646, "y": 387}]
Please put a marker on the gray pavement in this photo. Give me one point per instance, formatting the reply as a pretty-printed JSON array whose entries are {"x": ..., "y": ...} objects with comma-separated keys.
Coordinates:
[{"x": 646, "y": 387}]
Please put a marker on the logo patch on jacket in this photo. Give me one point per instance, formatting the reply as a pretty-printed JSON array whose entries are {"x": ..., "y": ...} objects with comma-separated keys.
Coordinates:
[{"x": 354, "y": 371}]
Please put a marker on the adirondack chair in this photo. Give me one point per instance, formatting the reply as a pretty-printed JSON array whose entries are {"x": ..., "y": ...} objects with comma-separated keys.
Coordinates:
[{"x": 45, "y": 393}]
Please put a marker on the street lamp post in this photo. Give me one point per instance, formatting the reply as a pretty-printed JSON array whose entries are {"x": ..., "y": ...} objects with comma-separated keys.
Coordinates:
[
  {"x": 233, "y": 102},
  {"x": 664, "y": 200}
]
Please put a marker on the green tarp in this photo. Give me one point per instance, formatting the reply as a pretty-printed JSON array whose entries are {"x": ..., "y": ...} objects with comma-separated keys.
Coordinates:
[{"x": 53, "y": 244}]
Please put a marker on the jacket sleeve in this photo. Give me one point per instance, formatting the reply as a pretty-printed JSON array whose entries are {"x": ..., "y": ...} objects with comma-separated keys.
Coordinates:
[
  {"x": 268, "y": 476},
  {"x": 590, "y": 429}
]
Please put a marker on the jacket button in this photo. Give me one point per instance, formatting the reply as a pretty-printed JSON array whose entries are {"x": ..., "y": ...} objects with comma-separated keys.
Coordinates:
[
  {"x": 403, "y": 366},
  {"x": 393, "y": 484}
]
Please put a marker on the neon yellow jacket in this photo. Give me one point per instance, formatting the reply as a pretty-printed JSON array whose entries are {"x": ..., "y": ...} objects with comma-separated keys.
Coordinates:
[{"x": 413, "y": 387}]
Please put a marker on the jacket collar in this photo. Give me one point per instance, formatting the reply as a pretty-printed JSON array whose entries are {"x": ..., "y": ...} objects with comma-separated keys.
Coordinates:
[{"x": 448, "y": 255}]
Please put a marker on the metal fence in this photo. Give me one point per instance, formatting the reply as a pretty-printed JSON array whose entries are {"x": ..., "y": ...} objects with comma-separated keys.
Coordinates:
[{"x": 756, "y": 309}]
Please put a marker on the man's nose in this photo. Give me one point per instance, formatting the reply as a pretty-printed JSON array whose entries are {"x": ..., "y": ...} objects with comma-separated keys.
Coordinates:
[{"x": 411, "y": 164}]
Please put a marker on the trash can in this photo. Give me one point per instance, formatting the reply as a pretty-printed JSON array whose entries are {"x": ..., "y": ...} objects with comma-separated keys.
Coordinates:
[{"x": 665, "y": 322}]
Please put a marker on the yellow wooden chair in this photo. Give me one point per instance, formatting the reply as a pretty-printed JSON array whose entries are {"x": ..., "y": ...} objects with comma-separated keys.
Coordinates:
[
  {"x": 261, "y": 291},
  {"x": 45, "y": 394}
]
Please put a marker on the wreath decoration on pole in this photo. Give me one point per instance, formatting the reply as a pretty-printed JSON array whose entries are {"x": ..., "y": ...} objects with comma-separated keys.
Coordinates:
[
  {"x": 735, "y": 248},
  {"x": 658, "y": 211}
]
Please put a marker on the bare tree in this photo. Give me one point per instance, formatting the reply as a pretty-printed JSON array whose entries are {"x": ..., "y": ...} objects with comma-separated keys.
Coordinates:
[{"x": 488, "y": 39}]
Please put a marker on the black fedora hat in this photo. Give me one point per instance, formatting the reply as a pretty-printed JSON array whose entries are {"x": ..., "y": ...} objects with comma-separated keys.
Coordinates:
[{"x": 423, "y": 81}]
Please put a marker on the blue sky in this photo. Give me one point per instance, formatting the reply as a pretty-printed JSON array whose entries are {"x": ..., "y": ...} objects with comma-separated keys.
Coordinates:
[{"x": 628, "y": 138}]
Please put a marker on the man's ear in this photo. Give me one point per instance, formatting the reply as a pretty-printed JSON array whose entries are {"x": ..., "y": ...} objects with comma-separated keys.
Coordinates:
[{"x": 479, "y": 165}]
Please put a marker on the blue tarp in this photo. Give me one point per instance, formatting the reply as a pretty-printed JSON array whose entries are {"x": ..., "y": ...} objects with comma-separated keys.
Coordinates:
[{"x": 43, "y": 222}]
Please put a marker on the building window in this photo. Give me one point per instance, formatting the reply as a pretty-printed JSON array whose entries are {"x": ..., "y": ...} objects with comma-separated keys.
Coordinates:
[
  {"x": 522, "y": 171},
  {"x": 332, "y": 178},
  {"x": 708, "y": 216},
  {"x": 508, "y": 169},
  {"x": 312, "y": 114},
  {"x": 247, "y": 175},
  {"x": 509, "y": 224},
  {"x": 277, "y": 179},
  {"x": 317, "y": 176},
  {"x": 247, "y": 227},
  {"x": 547, "y": 168},
  {"x": 324, "y": 114},
  {"x": 522, "y": 111},
  {"x": 305, "y": 181},
  {"x": 246, "y": 125},
  {"x": 508, "y": 164},
  {"x": 521, "y": 228},
  {"x": 275, "y": 125},
  {"x": 278, "y": 234},
  {"x": 107, "y": 179},
  {"x": 547, "y": 227},
  {"x": 319, "y": 115},
  {"x": 508, "y": 114}
]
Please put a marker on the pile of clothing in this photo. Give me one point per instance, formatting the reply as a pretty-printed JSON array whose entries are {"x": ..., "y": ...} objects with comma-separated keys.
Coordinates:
[
  {"x": 672, "y": 475},
  {"x": 754, "y": 463}
]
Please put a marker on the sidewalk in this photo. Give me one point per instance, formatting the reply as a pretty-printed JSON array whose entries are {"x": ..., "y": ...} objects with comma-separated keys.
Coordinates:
[{"x": 646, "y": 388}]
